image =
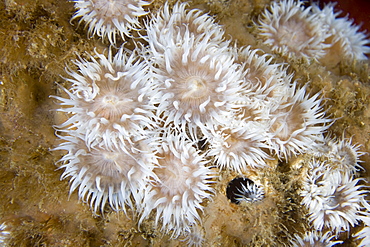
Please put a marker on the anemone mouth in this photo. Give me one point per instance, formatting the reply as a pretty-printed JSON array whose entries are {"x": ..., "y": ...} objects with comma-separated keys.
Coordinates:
[
  {"x": 294, "y": 33},
  {"x": 193, "y": 93},
  {"x": 108, "y": 164},
  {"x": 114, "y": 102},
  {"x": 171, "y": 178},
  {"x": 291, "y": 119},
  {"x": 232, "y": 141},
  {"x": 347, "y": 158},
  {"x": 110, "y": 9},
  {"x": 180, "y": 174},
  {"x": 235, "y": 145},
  {"x": 197, "y": 88},
  {"x": 333, "y": 202}
]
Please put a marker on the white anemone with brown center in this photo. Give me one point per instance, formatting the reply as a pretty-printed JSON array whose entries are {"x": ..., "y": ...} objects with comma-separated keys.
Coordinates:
[
  {"x": 183, "y": 183},
  {"x": 199, "y": 82},
  {"x": 105, "y": 176},
  {"x": 107, "y": 100},
  {"x": 297, "y": 123},
  {"x": 290, "y": 29},
  {"x": 239, "y": 146},
  {"x": 345, "y": 37},
  {"x": 106, "y": 19},
  {"x": 172, "y": 23},
  {"x": 333, "y": 199}
]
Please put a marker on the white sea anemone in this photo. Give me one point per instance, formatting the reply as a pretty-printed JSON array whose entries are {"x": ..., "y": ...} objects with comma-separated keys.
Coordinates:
[
  {"x": 316, "y": 238},
  {"x": 343, "y": 156},
  {"x": 170, "y": 26},
  {"x": 195, "y": 236},
  {"x": 265, "y": 84},
  {"x": 182, "y": 183},
  {"x": 106, "y": 19},
  {"x": 264, "y": 81},
  {"x": 334, "y": 200},
  {"x": 115, "y": 176},
  {"x": 297, "y": 123},
  {"x": 250, "y": 192},
  {"x": 109, "y": 99},
  {"x": 293, "y": 30},
  {"x": 340, "y": 206},
  {"x": 195, "y": 69},
  {"x": 242, "y": 189},
  {"x": 239, "y": 145},
  {"x": 199, "y": 82},
  {"x": 314, "y": 180},
  {"x": 344, "y": 36}
]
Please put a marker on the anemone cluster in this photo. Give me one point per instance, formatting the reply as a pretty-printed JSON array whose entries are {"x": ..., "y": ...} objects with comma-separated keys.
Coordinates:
[
  {"x": 293, "y": 30},
  {"x": 108, "y": 19},
  {"x": 333, "y": 192},
  {"x": 149, "y": 130}
]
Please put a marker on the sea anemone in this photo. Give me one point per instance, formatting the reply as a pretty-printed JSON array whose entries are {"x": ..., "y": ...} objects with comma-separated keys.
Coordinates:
[
  {"x": 333, "y": 199},
  {"x": 170, "y": 26},
  {"x": 109, "y": 18},
  {"x": 343, "y": 156},
  {"x": 250, "y": 193},
  {"x": 182, "y": 183},
  {"x": 196, "y": 73},
  {"x": 314, "y": 180},
  {"x": 198, "y": 81},
  {"x": 344, "y": 36},
  {"x": 239, "y": 145},
  {"x": 292, "y": 122},
  {"x": 292, "y": 30},
  {"x": 242, "y": 189},
  {"x": 316, "y": 238},
  {"x": 102, "y": 175},
  {"x": 195, "y": 236},
  {"x": 108, "y": 99},
  {"x": 297, "y": 123},
  {"x": 265, "y": 82}
]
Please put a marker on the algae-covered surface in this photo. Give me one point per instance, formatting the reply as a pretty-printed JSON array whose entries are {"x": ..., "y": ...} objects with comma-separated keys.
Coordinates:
[{"x": 39, "y": 40}]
